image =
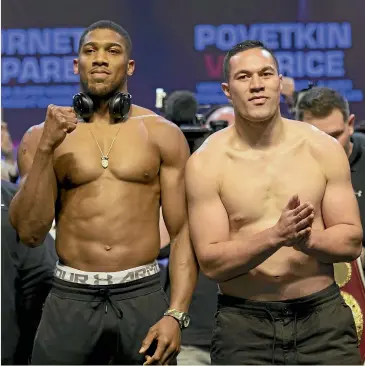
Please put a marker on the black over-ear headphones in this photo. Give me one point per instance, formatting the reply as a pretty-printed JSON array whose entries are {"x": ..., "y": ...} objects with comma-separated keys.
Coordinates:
[{"x": 119, "y": 105}]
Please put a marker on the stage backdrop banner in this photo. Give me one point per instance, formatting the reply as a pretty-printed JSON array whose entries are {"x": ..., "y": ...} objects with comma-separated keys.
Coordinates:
[{"x": 176, "y": 45}]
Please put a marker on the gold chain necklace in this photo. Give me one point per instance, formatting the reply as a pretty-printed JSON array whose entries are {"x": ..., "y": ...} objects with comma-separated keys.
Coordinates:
[{"x": 104, "y": 158}]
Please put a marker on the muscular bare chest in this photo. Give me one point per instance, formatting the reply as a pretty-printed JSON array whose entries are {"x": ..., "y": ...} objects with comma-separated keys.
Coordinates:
[
  {"x": 256, "y": 188},
  {"x": 132, "y": 157}
]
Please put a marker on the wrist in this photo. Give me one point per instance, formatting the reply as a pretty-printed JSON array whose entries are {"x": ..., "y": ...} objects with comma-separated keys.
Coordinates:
[
  {"x": 45, "y": 148},
  {"x": 275, "y": 239},
  {"x": 313, "y": 238},
  {"x": 178, "y": 307},
  {"x": 181, "y": 317}
]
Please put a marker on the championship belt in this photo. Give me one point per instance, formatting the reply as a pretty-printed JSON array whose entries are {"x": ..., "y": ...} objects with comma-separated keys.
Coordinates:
[{"x": 350, "y": 278}]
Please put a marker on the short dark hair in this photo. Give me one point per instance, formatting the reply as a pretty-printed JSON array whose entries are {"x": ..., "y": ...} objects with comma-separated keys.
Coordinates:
[
  {"x": 107, "y": 24},
  {"x": 244, "y": 46},
  {"x": 320, "y": 102}
]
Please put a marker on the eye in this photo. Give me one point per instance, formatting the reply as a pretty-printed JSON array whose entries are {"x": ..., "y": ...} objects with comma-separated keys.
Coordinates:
[
  {"x": 267, "y": 73},
  {"x": 113, "y": 51},
  {"x": 89, "y": 50},
  {"x": 336, "y": 135},
  {"x": 243, "y": 77}
]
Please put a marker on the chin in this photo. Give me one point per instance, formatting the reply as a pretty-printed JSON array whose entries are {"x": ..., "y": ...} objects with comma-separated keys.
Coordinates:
[
  {"x": 259, "y": 118},
  {"x": 99, "y": 90}
]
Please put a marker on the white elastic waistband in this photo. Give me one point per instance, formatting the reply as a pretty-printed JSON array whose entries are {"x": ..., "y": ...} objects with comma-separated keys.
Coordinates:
[{"x": 105, "y": 278}]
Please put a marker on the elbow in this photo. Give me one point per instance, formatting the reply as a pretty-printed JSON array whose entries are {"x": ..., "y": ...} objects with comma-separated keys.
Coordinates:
[
  {"x": 356, "y": 251},
  {"x": 357, "y": 246},
  {"x": 215, "y": 276},
  {"x": 30, "y": 235},
  {"x": 210, "y": 273},
  {"x": 30, "y": 240},
  {"x": 212, "y": 270}
]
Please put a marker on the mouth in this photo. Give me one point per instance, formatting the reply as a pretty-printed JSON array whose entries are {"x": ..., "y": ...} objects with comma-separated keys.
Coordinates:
[
  {"x": 100, "y": 72},
  {"x": 258, "y": 100}
]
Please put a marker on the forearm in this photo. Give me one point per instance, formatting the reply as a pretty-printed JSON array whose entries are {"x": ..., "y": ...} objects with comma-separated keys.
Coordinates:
[
  {"x": 33, "y": 208},
  {"x": 339, "y": 243},
  {"x": 226, "y": 260},
  {"x": 183, "y": 272}
]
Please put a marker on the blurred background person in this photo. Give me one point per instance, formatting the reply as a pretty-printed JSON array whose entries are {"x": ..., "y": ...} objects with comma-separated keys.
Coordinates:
[
  {"x": 220, "y": 113},
  {"x": 360, "y": 132},
  {"x": 329, "y": 111},
  {"x": 26, "y": 278},
  {"x": 9, "y": 171}
]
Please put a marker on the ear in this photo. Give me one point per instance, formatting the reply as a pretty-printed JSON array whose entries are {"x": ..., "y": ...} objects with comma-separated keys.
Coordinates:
[
  {"x": 351, "y": 123},
  {"x": 130, "y": 68},
  {"x": 281, "y": 82},
  {"x": 76, "y": 66},
  {"x": 226, "y": 91}
]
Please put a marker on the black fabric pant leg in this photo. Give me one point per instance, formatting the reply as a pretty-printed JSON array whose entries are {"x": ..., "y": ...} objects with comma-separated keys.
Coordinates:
[
  {"x": 140, "y": 313},
  {"x": 244, "y": 339},
  {"x": 68, "y": 332},
  {"x": 328, "y": 337},
  {"x": 318, "y": 329}
]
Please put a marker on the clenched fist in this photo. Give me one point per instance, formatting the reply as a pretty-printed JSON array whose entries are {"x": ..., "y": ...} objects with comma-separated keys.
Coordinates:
[{"x": 59, "y": 122}]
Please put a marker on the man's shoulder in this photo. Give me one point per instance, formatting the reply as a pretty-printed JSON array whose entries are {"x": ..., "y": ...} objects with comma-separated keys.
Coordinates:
[
  {"x": 138, "y": 111},
  {"x": 151, "y": 119},
  {"x": 318, "y": 140},
  {"x": 33, "y": 134},
  {"x": 214, "y": 143},
  {"x": 211, "y": 152}
]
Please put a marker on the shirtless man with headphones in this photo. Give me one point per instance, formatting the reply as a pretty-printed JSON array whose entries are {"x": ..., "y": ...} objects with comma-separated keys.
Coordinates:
[{"x": 103, "y": 173}]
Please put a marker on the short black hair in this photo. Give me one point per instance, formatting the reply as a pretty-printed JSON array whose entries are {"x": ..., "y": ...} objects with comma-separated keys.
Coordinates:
[
  {"x": 244, "y": 46},
  {"x": 107, "y": 24},
  {"x": 320, "y": 102}
]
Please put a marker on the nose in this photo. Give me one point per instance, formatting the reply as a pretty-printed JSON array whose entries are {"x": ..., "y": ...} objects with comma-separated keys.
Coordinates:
[
  {"x": 100, "y": 58},
  {"x": 256, "y": 84}
]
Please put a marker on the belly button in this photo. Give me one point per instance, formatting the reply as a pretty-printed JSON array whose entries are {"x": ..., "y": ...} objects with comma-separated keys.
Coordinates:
[{"x": 107, "y": 248}]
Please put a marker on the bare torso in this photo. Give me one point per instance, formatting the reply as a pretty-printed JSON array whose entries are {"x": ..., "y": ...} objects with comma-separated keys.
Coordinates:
[
  {"x": 108, "y": 219},
  {"x": 254, "y": 188}
]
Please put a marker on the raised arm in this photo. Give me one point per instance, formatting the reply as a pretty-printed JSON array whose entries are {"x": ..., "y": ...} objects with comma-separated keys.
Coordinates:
[
  {"x": 219, "y": 257},
  {"x": 341, "y": 241},
  {"x": 33, "y": 208}
]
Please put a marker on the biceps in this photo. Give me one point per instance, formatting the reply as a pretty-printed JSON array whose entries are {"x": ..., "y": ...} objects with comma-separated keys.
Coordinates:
[
  {"x": 208, "y": 222},
  {"x": 339, "y": 205}
]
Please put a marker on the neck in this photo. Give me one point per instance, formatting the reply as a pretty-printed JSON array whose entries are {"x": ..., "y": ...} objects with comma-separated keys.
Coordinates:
[
  {"x": 101, "y": 113},
  {"x": 260, "y": 135}
]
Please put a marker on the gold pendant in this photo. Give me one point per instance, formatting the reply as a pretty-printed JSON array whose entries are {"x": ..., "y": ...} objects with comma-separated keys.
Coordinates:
[{"x": 104, "y": 162}]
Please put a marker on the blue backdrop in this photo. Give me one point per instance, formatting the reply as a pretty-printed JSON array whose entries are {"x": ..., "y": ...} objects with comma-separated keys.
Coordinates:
[{"x": 177, "y": 45}]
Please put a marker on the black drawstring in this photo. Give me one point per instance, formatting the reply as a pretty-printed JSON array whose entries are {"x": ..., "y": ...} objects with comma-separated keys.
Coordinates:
[
  {"x": 107, "y": 299},
  {"x": 105, "y": 293},
  {"x": 274, "y": 342}
]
